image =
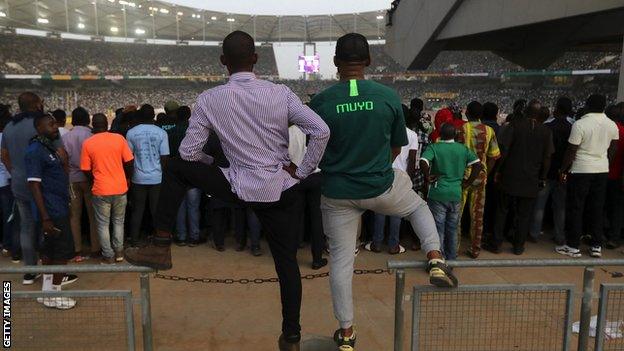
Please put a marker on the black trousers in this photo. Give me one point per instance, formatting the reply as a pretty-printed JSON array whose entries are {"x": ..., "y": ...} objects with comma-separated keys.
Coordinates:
[
  {"x": 520, "y": 221},
  {"x": 615, "y": 209},
  {"x": 139, "y": 196},
  {"x": 277, "y": 218},
  {"x": 586, "y": 192},
  {"x": 312, "y": 218}
]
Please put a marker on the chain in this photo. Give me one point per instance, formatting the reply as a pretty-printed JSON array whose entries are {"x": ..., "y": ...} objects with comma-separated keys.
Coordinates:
[{"x": 245, "y": 281}]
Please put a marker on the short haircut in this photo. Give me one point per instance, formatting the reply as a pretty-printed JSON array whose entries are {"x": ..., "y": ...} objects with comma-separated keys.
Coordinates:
[
  {"x": 474, "y": 110},
  {"x": 490, "y": 111},
  {"x": 544, "y": 114},
  {"x": 184, "y": 113},
  {"x": 532, "y": 111},
  {"x": 27, "y": 101},
  {"x": 596, "y": 103},
  {"x": 417, "y": 104},
  {"x": 447, "y": 131},
  {"x": 5, "y": 111},
  {"x": 352, "y": 47},
  {"x": 146, "y": 113},
  {"x": 100, "y": 121},
  {"x": 59, "y": 115},
  {"x": 40, "y": 118},
  {"x": 239, "y": 47},
  {"x": 80, "y": 117},
  {"x": 564, "y": 106},
  {"x": 620, "y": 112}
]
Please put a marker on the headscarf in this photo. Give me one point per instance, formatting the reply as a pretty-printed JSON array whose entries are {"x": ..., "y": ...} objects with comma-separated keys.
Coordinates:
[{"x": 442, "y": 116}]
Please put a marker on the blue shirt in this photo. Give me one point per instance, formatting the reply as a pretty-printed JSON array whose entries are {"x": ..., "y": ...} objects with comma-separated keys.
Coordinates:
[
  {"x": 5, "y": 177},
  {"x": 148, "y": 143},
  {"x": 15, "y": 139},
  {"x": 45, "y": 166}
]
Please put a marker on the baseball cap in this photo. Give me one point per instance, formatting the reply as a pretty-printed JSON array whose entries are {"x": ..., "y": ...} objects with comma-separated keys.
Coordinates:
[
  {"x": 352, "y": 47},
  {"x": 171, "y": 106}
]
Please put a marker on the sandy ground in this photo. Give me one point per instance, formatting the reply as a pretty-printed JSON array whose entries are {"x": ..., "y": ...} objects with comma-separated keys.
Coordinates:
[{"x": 198, "y": 316}]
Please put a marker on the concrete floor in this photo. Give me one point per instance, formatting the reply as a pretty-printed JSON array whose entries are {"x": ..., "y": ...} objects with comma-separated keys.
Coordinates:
[{"x": 197, "y": 316}]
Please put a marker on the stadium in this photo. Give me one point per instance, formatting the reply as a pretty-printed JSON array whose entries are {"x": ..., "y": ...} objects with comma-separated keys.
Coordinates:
[{"x": 182, "y": 68}]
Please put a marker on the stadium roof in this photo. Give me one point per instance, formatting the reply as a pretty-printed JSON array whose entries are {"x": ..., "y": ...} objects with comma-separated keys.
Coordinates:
[
  {"x": 287, "y": 7},
  {"x": 163, "y": 20}
]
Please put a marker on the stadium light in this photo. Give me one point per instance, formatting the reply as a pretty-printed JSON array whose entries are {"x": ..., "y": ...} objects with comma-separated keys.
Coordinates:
[
  {"x": 165, "y": 11},
  {"x": 139, "y": 31},
  {"x": 231, "y": 20},
  {"x": 214, "y": 18},
  {"x": 2, "y": 14},
  {"x": 111, "y": 0},
  {"x": 380, "y": 17},
  {"x": 81, "y": 25},
  {"x": 180, "y": 14},
  {"x": 43, "y": 20},
  {"x": 114, "y": 29}
]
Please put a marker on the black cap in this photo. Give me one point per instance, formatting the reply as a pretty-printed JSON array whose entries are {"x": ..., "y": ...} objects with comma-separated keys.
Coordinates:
[{"x": 352, "y": 47}]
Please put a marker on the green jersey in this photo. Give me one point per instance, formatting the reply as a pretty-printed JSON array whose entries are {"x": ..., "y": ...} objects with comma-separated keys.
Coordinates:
[
  {"x": 366, "y": 120},
  {"x": 448, "y": 160}
]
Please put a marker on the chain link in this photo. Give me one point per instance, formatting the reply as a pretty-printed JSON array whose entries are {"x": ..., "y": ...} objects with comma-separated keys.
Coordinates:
[{"x": 245, "y": 281}]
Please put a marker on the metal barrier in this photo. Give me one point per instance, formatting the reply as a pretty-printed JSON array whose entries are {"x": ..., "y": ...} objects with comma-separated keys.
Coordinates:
[
  {"x": 492, "y": 317},
  {"x": 610, "y": 316},
  {"x": 588, "y": 286},
  {"x": 102, "y": 319}
]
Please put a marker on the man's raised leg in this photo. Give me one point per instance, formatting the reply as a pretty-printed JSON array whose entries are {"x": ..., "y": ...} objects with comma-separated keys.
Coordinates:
[{"x": 178, "y": 177}]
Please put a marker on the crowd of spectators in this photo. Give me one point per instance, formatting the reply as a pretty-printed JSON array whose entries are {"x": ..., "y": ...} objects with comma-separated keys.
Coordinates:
[
  {"x": 165, "y": 60},
  {"x": 107, "y": 98},
  {"x": 36, "y": 55}
]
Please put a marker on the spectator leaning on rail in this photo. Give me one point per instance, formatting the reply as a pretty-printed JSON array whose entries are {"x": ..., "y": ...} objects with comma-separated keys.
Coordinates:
[
  {"x": 591, "y": 146},
  {"x": 250, "y": 117},
  {"x": 49, "y": 183},
  {"x": 367, "y": 132}
]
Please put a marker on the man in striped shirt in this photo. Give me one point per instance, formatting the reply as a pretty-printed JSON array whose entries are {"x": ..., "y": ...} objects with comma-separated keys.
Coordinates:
[{"x": 251, "y": 117}]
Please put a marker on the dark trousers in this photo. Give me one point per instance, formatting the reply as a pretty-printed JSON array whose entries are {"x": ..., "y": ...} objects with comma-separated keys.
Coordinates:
[
  {"x": 492, "y": 193},
  {"x": 139, "y": 196},
  {"x": 520, "y": 221},
  {"x": 312, "y": 218},
  {"x": 586, "y": 191},
  {"x": 615, "y": 209},
  {"x": 275, "y": 217}
]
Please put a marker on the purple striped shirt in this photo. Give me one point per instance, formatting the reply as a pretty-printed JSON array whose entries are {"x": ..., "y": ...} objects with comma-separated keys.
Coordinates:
[{"x": 251, "y": 118}]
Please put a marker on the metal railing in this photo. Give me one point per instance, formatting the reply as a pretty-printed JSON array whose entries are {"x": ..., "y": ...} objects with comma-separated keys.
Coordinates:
[
  {"x": 588, "y": 286},
  {"x": 610, "y": 317},
  {"x": 105, "y": 297}
]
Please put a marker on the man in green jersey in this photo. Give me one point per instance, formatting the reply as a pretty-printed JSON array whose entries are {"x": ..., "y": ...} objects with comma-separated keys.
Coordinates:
[{"x": 367, "y": 132}]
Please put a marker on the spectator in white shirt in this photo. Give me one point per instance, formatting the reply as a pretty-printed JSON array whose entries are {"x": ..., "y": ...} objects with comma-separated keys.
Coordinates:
[
  {"x": 591, "y": 146},
  {"x": 311, "y": 191},
  {"x": 406, "y": 162}
]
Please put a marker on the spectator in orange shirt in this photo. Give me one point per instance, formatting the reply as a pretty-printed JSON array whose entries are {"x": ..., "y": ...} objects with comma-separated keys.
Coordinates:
[{"x": 107, "y": 160}]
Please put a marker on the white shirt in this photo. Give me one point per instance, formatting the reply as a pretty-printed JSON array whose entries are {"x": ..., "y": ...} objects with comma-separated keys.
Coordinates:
[
  {"x": 63, "y": 131},
  {"x": 593, "y": 134},
  {"x": 412, "y": 144},
  {"x": 297, "y": 145}
]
